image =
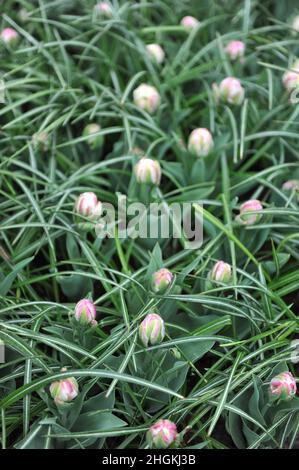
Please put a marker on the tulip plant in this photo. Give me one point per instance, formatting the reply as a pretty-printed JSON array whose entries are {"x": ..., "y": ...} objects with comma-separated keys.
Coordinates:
[{"x": 116, "y": 330}]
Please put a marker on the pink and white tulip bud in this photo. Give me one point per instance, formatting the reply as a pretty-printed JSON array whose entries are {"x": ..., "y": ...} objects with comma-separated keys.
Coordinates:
[
  {"x": 64, "y": 390},
  {"x": 94, "y": 141},
  {"x": 283, "y": 386},
  {"x": 221, "y": 272},
  {"x": 155, "y": 52},
  {"x": 295, "y": 24},
  {"x": 249, "y": 219},
  {"x": 200, "y": 142},
  {"x": 231, "y": 91},
  {"x": 85, "y": 312},
  {"x": 235, "y": 50},
  {"x": 291, "y": 185},
  {"x": 104, "y": 9},
  {"x": 152, "y": 330},
  {"x": 161, "y": 280},
  {"x": 162, "y": 434},
  {"x": 148, "y": 171},
  {"x": 146, "y": 97},
  {"x": 87, "y": 205},
  {"x": 9, "y": 36},
  {"x": 290, "y": 78},
  {"x": 40, "y": 141},
  {"x": 189, "y": 22}
]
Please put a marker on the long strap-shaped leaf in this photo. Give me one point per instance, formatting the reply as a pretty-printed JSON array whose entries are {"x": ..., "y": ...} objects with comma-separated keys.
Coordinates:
[{"x": 40, "y": 383}]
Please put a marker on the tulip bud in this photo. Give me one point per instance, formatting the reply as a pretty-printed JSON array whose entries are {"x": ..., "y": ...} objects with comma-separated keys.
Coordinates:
[
  {"x": 221, "y": 272},
  {"x": 290, "y": 78},
  {"x": 230, "y": 91},
  {"x": 88, "y": 205},
  {"x": 162, "y": 434},
  {"x": 9, "y": 36},
  {"x": 189, "y": 22},
  {"x": 155, "y": 52},
  {"x": 148, "y": 171},
  {"x": 152, "y": 330},
  {"x": 94, "y": 141},
  {"x": 295, "y": 24},
  {"x": 65, "y": 390},
  {"x": 235, "y": 50},
  {"x": 250, "y": 219},
  {"x": 85, "y": 312},
  {"x": 283, "y": 386},
  {"x": 291, "y": 185},
  {"x": 146, "y": 97},
  {"x": 104, "y": 9},
  {"x": 40, "y": 141},
  {"x": 161, "y": 280},
  {"x": 200, "y": 142}
]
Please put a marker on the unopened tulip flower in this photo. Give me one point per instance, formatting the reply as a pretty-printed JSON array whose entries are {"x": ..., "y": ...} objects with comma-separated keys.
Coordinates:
[
  {"x": 295, "y": 24},
  {"x": 87, "y": 205},
  {"x": 290, "y": 78},
  {"x": 221, "y": 272},
  {"x": 104, "y": 9},
  {"x": 94, "y": 141},
  {"x": 235, "y": 50},
  {"x": 152, "y": 329},
  {"x": 85, "y": 312},
  {"x": 291, "y": 185},
  {"x": 230, "y": 91},
  {"x": 146, "y": 97},
  {"x": 283, "y": 386},
  {"x": 200, "y": 142},
  {"x": 9, "y": 36},
  {"x": 40, "y": 141},
  {"x": 148, "y": 171},
  {"x": 189, "y": 22},
  {"x": 163, "y": 434},
  {"x": 64, "y": 390},
  {"x": 155, "y": 52},
  {"x": 161, "y": 280},
  {"x": 250, "y": 206}
]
